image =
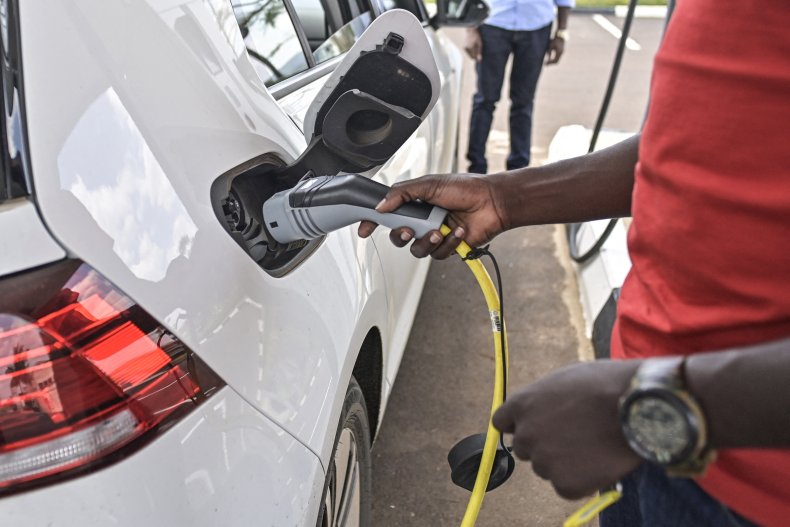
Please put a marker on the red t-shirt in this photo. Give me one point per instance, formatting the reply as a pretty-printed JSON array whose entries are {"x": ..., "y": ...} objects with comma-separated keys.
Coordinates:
[{"x": 710, "y": 238}]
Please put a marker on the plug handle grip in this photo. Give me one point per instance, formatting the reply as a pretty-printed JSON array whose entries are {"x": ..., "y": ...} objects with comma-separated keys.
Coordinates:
[{"x": 317, "y": 206}]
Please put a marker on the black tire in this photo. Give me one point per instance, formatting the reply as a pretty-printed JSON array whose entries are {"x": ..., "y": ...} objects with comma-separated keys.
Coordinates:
[{"x": 337, "y": 507}]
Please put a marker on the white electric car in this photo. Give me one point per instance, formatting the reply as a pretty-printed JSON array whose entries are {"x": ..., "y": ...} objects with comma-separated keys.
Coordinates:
[{"x": 161, "y": 361}]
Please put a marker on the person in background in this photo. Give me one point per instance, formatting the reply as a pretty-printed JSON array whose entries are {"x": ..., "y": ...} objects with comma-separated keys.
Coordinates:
[{"x": 521, "y": 28}]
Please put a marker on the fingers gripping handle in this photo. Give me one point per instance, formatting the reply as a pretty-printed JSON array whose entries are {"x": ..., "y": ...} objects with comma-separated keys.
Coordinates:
[{"x": 320, "y": 205}]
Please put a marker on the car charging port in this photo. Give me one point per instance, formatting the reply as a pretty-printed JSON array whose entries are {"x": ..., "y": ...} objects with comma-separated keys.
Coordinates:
[
  {"x": 255, "y": 238},
  {"x": 238, "y": 196}
]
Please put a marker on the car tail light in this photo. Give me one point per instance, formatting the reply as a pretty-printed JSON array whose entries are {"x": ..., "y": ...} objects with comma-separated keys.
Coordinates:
[{"x": 85, "y": 375}]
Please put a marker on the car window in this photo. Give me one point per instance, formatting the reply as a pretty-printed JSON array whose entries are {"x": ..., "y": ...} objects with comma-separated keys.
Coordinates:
[
  {"x": 271, "y": 39},
  {"x": 343, "y": 39},
  {"x": 412, "y": 6},
  {"x": 332, "y": 26}
]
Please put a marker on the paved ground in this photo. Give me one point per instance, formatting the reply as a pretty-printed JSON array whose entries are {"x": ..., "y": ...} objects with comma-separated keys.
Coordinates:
[{"x": 443, "y": 390}]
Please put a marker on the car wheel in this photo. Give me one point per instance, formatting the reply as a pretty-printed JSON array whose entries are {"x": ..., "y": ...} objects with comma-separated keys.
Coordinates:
[{"x": 347, "y": 493}]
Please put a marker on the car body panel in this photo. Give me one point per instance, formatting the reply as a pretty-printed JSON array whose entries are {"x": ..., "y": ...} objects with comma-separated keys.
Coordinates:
[
  {"x": 224, "y": 464},
  {"x": 20, "y": 221},
  {"x": 444, "y": 118}
]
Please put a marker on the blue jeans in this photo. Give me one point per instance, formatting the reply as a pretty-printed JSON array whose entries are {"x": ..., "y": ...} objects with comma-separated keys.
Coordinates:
[
  {"x": 528, "y": 49},
  {"x": 652, "y": 499}
]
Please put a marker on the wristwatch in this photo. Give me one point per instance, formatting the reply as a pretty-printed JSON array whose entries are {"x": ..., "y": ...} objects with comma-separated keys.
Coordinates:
[
  {"x": 563, "y": 34},
  {"x": 662, "y": 421}
]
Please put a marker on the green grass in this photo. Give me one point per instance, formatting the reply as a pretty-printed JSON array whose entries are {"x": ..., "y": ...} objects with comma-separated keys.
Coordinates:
[
  {"x": 609, "y": 3},
  {"x": 598, "y": 3}
]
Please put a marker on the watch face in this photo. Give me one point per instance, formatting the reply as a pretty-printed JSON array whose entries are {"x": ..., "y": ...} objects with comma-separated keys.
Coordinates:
[{"x": 658, "y": 429}]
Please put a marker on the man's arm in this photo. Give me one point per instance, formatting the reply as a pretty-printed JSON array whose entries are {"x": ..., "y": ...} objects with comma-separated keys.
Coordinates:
[
  {"x": 745, "y": 395},
  {"x": 589, "y": 187},
  {"x": 562, "y": 17},
  {"x": 567, "y": 422}
]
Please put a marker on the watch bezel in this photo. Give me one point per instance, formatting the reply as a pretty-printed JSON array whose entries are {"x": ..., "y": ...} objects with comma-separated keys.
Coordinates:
[{"x": 677, "y": 400}]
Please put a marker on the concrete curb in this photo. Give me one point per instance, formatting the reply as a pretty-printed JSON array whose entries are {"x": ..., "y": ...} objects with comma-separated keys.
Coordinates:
[{"x": 642, "y": 11}]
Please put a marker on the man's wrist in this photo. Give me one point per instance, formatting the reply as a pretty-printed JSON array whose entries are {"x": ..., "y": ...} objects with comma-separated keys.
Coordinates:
[
  {"x": 562, "y": 33},
  {"x": 502, "y": 187},
  {"x": 740, "y": 391}
]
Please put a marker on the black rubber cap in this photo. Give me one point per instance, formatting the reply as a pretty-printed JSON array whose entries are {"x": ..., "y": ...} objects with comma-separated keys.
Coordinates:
[{"x": 464, "y": 459}]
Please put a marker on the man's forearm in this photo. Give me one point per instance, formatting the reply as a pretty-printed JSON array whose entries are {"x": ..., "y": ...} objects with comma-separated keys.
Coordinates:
[
  {"x": 585, "y": 188},
  {"x": 745, "y": 395},
  {"x": 562, "y": 17}
]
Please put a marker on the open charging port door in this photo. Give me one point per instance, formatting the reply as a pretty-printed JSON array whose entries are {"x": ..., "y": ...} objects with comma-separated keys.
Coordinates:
[{"x": 371, "y": 104}]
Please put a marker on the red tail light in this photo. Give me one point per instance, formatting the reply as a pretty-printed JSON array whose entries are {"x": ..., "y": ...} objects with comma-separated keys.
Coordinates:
[{"x": 84, "y": 372}]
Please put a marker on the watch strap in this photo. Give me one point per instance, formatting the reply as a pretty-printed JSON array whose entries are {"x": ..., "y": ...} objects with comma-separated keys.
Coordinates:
[{"x": 661, "y": 372}]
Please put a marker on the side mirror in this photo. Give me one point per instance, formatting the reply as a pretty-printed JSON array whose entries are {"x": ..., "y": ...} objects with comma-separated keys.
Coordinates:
[{"x": 460, "y": 13}]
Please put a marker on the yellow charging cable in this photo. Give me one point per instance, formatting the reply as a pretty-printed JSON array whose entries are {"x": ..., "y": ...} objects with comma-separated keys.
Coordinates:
[
  {"x": 492, "y": 434},
  {"x": 590, "y": 509}
]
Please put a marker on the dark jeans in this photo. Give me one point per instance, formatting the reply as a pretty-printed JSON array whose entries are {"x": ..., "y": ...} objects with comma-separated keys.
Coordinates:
[
  {"x": 528, "y": 49},
  {"x": 652, "y": 499}
]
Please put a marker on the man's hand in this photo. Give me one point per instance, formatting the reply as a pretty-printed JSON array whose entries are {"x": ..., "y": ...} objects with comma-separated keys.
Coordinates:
[
  {"x": 474, "y": 44},
  {"x": 567, "y": 425},
  {"x": 481, "y": 207},
  {"x": 556, "y": 48},
  {"x": 476, "y": 212}
]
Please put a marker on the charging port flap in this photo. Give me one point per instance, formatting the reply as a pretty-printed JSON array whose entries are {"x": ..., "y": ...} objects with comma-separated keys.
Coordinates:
[{"x": 374, "y": 100}]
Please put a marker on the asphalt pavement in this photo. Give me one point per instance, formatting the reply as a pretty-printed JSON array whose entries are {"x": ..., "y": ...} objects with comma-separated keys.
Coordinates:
[{"x": 443, "y": 390}]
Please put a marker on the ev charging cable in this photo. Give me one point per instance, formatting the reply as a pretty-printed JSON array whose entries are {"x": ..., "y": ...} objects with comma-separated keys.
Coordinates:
[
  {"x": 319, "y": 205},
  {"x": 591, "y": 508},
  {"x": 501, "y": 359}
]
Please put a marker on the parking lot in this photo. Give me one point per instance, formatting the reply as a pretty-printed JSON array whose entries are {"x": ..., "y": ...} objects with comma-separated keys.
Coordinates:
[{"x": 443, "y": 389}]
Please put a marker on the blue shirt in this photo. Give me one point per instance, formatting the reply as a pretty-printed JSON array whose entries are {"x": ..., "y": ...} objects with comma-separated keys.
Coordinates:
[{"x": 524, "y": 15}]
